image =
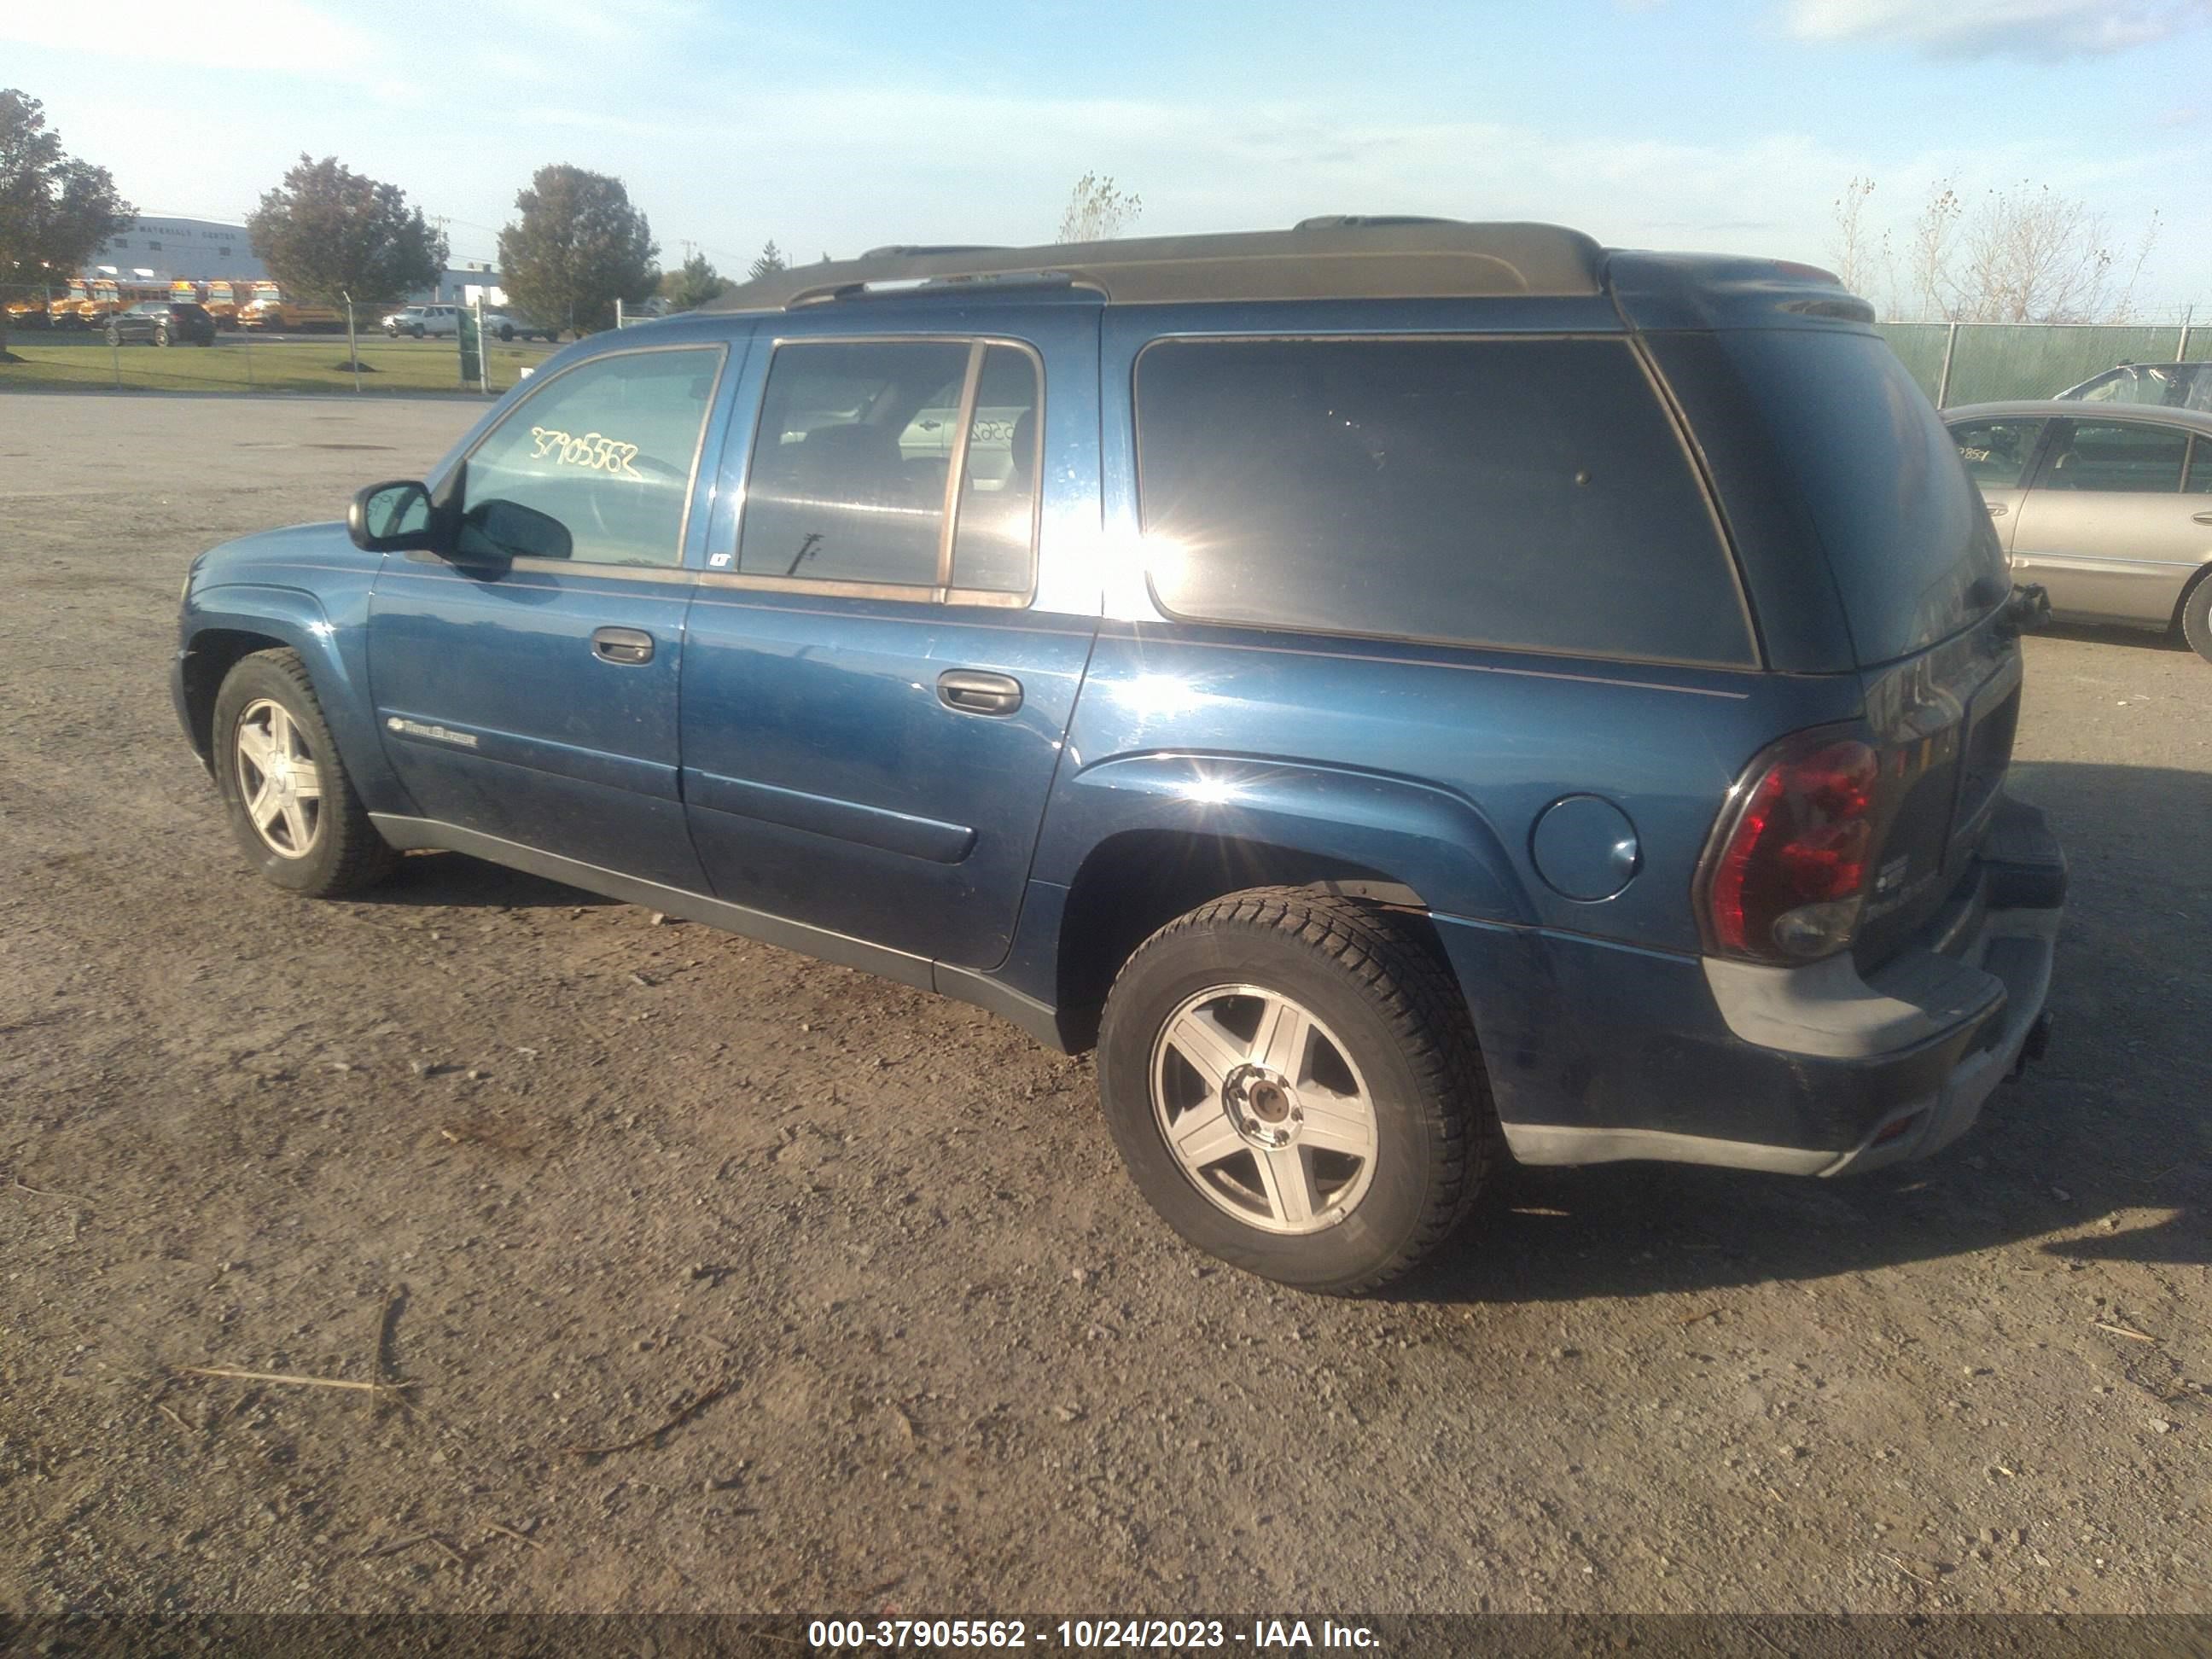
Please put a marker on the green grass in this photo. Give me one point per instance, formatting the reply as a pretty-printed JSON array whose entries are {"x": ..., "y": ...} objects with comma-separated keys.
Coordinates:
[{"x": 236, "y": 363}]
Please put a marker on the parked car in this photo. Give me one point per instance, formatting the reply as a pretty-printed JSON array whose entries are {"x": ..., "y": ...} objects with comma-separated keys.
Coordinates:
[
  {"x": 505, "y": 325},
  {"x": 162, "y": 322},
  {"x": 1412, "y": 695},
  {"x": 444, "y": 321},
  {"x": 2168, "y": 385},
  {"x": 2109, "y": 510}
]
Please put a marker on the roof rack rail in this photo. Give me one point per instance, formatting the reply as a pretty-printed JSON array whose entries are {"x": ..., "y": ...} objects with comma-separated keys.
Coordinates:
[{"x": 1341, "y": 258}]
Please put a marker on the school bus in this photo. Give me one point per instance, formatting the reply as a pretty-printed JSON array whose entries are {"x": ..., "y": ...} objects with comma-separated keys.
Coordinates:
[
  {"x": 106, "y": 297},
  {"x": 67, "y": 310},
  {"x": 269, "y": 309},
  {"x": 219, "y": 295},
  {"x": 30, "y": 311}
]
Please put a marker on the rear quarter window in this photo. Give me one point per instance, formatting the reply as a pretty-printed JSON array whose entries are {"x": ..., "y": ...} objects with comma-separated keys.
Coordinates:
[
  {"x": 1881, "y": 482},
  {"x": 1528, "y": 494}
]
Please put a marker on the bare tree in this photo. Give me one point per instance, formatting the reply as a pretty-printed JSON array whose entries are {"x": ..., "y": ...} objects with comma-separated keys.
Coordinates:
[
  {"x": 2030, "y": 256},
  {"x": 2023, "y": 255},
  {"x": 2123, "y": 308},
  {"x": 1857, "y": 248},
  {"x": 1935, "y": 236},
  {"x": 1097, "y": 210}
]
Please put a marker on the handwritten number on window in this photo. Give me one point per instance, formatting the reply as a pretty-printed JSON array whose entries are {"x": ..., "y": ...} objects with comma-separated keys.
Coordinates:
[{"x": 591, "y": 452}]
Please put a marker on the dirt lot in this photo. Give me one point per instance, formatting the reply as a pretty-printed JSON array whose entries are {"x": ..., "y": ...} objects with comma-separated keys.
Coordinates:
[{"x": 569, "y": 1173}]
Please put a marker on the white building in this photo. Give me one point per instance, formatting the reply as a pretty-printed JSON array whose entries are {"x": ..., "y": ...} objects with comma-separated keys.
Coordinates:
[{"x": 162, "y": 247}]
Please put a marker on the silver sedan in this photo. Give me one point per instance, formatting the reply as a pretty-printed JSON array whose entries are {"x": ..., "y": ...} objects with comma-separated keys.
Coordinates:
[{"x": 2110, "y": 508}]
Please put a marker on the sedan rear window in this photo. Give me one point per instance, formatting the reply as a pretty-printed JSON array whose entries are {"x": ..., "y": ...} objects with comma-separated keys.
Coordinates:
[{"x": 1530, "y": 494}]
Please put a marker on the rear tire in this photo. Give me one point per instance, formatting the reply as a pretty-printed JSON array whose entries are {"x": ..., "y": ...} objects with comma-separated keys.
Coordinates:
[
  {"x": 1335, "y": 1125},
  {"x": 2196, "y": 618},
  {"x": 291, "y": 804}
]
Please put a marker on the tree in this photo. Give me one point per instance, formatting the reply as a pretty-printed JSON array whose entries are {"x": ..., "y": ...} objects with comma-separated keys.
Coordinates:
[
  {"x": 771, "y": 260},
  {"x": 2025, "y": 254},
  {"x": 1097, "y": 211},
  {"x": 692, "y": 284},
  {"x": 578, "y": 247},
  {"x": 327, "y": 234},
  {"x": 54, "y": 209},
  {"x": 1856, "y": 248},
  {"x": 2031, "y": 256}
]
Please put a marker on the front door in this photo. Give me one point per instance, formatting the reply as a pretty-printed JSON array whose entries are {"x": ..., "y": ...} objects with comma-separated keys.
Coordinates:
[
  {"x": 875, "y": 689},
  {"x": 1998, "y": 454},
  {"x": 527, "y": 688},
  {"x": 2107, "y": 527}
]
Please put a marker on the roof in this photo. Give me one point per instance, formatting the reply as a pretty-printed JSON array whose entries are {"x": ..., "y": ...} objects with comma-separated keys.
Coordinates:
[
  {"x": 1342, "y": 257},
  {"x": 2187, "y": 419}
]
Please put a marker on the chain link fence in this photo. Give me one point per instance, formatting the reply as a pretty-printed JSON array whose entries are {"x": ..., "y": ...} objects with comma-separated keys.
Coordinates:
[
  {"x": 89, "y": 343},
  {"x": 65, "y": 344},
  {"x": 1985, "y": 362}
]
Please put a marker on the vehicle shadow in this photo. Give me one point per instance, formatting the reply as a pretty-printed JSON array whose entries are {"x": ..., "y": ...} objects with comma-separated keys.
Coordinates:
[
  {"x": 2103, "y": 1151},
  {"x": 437, "y": 880},
  {"x": 2143, "y": 638}
]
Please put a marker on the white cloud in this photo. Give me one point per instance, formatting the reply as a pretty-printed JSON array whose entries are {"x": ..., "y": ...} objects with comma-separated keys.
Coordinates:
[
  {"x": 287, "y": 38},
  {"x": 2017, "y": 28}
]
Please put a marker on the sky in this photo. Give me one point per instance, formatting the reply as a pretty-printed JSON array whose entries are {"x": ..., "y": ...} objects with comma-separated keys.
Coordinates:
[{"x": 1730, "y": 125}]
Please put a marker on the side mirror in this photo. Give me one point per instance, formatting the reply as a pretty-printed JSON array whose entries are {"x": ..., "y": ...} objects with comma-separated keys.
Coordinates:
[
  {"x": 391, "y": 518},
  {"x": 502, "y": 530}
]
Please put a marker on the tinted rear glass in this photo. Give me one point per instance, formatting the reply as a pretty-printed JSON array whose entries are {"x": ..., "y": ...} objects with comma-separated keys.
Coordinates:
[
  {"x": 1907, "y": 541},
  {"x": 1530, "y": 494}
]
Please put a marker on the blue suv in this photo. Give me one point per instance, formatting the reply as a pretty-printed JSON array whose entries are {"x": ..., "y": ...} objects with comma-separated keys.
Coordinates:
[{"x": 1414, "y": 696}]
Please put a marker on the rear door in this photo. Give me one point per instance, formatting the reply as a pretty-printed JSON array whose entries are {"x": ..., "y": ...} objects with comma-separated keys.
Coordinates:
[
  {"x": 877, "y": 681},
  {"x": 527, "y": 691},
  {"x": 2107, "y": 526}
]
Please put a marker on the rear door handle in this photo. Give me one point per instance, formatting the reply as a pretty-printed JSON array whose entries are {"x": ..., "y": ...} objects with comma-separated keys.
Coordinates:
[
  {"x": 974, "y": 693},
  {"x": 627, "y": 646},
  {"x": 1998, "y": 509}
]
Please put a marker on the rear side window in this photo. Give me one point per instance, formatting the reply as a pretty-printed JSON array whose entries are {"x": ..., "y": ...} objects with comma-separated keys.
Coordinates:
[
  {"x": 2116, "y": 456},
  {"x": 1529, "y": 494},
  {"x": 851, "y": 466},
  {"x": 1908, "y": 542}
]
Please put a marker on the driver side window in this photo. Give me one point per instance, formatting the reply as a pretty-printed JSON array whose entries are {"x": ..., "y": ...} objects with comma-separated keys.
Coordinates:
[{"x": 596, "y": 465}]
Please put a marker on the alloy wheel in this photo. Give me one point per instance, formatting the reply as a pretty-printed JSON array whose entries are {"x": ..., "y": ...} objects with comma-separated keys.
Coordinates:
[
  {"x": 278, "y": 779},
  {"x": 1263, "y": 1108}
]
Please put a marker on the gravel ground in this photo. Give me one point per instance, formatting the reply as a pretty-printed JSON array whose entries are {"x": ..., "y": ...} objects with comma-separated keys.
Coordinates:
[{"x": 574, "y": 1176}]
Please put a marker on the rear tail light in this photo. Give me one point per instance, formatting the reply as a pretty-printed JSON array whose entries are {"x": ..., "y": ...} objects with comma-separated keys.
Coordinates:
[{"x": 1787, "y": 872}]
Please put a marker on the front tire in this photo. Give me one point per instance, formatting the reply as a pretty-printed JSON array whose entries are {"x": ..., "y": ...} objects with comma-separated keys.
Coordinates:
[
  {"x": 419, "y": 331},
  {"x": 289, "y": 801},
  {"x": 2196, "y": 618},
  {"x": 1293, "y": 1082}
]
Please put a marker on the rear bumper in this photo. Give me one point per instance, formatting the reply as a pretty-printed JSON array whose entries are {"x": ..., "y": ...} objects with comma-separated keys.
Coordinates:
[{"x": 1809, "y": 1071}]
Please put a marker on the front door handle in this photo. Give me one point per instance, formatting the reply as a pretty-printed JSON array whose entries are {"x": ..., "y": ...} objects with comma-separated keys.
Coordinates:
[
  {"x": 2201, "y": 518},
  {"x": 1997, "y": 509},
  {"x": 627, "y": 646},
  {"x": 974, "y": 693}
]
